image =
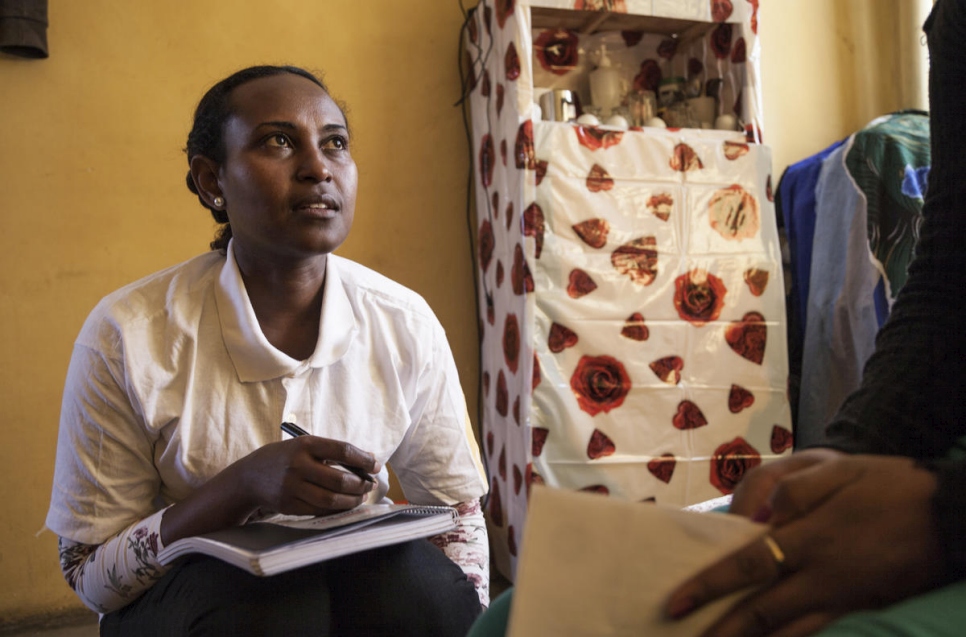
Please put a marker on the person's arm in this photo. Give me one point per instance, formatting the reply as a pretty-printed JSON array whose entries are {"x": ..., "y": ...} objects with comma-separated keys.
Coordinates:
[
  {"x": 468, "y": 547},
  {"x": 109, "y": 576},
  {"x": 438, "y": 460},
  {"x": 106, "y": 485}
]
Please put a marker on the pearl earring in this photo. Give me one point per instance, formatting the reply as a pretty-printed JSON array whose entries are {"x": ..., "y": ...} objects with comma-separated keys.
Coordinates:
[{"x": 219, "y": 202}]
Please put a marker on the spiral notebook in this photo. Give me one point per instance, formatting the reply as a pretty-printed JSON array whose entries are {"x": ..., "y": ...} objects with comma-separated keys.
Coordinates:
[{"x": 283, "y": 543}]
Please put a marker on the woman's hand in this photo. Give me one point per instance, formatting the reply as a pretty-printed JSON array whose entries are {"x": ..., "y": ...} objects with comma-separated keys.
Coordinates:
[
  {"x": 856, "y": 533},
  {"x": 293, "y": 476}
]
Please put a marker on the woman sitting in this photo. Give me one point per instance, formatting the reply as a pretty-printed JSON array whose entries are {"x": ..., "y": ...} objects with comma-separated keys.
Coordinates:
[{"x": 178, "y": 384}]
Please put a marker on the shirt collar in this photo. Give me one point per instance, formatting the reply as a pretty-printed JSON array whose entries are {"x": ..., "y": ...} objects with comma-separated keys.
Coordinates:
[{"x": 254, "y": 358}]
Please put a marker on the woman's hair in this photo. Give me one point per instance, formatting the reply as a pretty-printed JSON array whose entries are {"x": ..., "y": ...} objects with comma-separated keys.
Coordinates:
[{"x": 207, "y": 134}]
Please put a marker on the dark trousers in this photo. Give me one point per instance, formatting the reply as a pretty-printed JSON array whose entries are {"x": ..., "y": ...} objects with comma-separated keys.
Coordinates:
[{"x": 407, "y": 589}]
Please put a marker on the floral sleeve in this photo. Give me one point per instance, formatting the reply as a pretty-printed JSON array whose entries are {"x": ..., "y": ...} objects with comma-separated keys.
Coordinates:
[
  {"x": 468, "y": 547},
  {"x": 111, "y": 575}
]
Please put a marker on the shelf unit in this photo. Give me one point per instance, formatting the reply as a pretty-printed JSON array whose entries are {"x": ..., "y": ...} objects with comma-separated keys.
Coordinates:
[{"x": 630, "y": 282}]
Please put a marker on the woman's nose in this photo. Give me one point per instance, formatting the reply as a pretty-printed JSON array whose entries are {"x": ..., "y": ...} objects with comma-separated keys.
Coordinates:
[{"x": 313, "y": 166}]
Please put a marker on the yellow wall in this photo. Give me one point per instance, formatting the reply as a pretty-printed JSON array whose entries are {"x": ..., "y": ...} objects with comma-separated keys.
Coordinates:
[{"x": 92, "y": 191}]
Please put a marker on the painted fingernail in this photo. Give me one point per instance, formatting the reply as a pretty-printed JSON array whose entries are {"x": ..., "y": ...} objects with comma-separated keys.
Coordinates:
[
  {"x": 680, "y": 607},
  {"x": 763, "y": 514}
]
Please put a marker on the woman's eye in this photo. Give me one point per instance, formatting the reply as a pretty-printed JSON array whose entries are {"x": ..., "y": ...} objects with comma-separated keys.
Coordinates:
[
  {"x": 336, "y": 143},
  {"x": 278, "y": 140}
]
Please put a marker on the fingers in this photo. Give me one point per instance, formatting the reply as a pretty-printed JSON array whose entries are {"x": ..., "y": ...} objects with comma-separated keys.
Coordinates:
[
  {"x": 752, "y": 498},
  {"x": 779, "y": 611},
  {"x": 326, "y": 449},
  {"x": 752, "y": 565},
  {"x": 311, "y": 499},
  {"x": 319, "y": 465},
  {"x": 799, "y": 493}
]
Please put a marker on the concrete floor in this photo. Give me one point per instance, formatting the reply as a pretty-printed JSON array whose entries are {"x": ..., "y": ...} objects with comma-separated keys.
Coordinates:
[{"x": 76, "y": 626}]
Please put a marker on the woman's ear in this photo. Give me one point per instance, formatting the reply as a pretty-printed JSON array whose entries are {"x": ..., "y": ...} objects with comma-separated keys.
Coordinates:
[{"x": 204, "y": 172}]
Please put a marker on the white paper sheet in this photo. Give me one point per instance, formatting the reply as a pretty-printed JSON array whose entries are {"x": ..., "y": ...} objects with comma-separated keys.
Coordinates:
[{"x": 593, "y": 565}]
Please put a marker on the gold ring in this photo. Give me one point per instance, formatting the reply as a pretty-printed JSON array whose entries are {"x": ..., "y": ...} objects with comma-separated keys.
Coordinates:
[{"x": 776, "y": 551}]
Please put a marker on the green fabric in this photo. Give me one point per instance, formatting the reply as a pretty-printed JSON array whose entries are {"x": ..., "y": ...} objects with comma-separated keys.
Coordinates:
[
  {"x": 880, "y": 160},
  {"x": 493, "y": 621},
  {"x": 941, "y": 613}
]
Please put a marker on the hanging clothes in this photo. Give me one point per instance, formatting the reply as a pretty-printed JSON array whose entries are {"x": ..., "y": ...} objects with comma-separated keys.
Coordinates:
[{"x": 868, "y": 200}]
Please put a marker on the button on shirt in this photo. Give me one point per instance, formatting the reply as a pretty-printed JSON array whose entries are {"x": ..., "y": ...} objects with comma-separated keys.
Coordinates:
[{"x": 172, "y": 379}]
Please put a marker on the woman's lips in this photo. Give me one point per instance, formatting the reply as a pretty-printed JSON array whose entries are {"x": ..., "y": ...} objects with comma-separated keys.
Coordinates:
[{"x": 323, "y": 208}]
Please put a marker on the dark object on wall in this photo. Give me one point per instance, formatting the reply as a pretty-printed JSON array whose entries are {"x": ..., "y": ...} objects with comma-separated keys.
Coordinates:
[{"x": 23, "y": 28}]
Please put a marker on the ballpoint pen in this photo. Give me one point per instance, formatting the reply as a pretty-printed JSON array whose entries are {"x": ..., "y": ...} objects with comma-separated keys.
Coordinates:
[{"x": 294, "y": 430}]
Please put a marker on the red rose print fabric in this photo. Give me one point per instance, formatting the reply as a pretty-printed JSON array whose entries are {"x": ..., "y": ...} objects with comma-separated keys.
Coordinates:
[
  {"x": 688, "y": 416},
  {"x": 738, "y": 53},
  {"x": 541, "y": 170},
  {"x": 663, "y": 468},
  {"x": 757, "y": 281},
  {"x": 635, "y": 329},
  {"x": 623, "y": 277},
  {"x": 523, "y": 147},
  {"x": 511, "y": 342},
  {"x": 597, "y": 138},
  {"x": 502, "y": 395},
  {"x": 733, "y": 213},
  {"x": 730, "y": 462},
  {"x": 637, "y": 259},
  {"x": 781, "y": 439},
  {"x": 517, "y": 479},
  {"x": 685, "y": 159},
  {"x": 600, "y": 384},
  {"x": 487, "y": 243},
  {"x": 538, "y": 440},
  {"x": 661, "y": 205},
  {"x": 668, "y": 369},
  {"x": 557, "y": 50},
  {"x": 734, "y": 150},
  {"x": 600, "y": 445},
  {"x": 593, "y": 232},
  {"x": 748, "y": 337},
  {"x": 599, "y": 180},
  {"x": 504, "y": 9},
  {"x": 534, "y": 226},
  {"x": 520, "y": 273},
  {"x": 580, "y": 284},
  {"x": 739, "y": 398},
  {"x": 561, "y": 338},
  {"x": 511, "y": 63},
  {"x": 721, "y": 10},
  {"x": 699, "y": 297},
  {"x": 487, "y": 161}
]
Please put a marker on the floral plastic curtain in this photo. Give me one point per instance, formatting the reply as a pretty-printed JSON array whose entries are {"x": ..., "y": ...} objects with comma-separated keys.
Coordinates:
[{"x": 631, "y": 293}]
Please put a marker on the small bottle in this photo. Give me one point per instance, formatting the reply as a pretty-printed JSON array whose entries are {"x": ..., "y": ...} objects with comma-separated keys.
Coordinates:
[{"x": 605, "y": 85}]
